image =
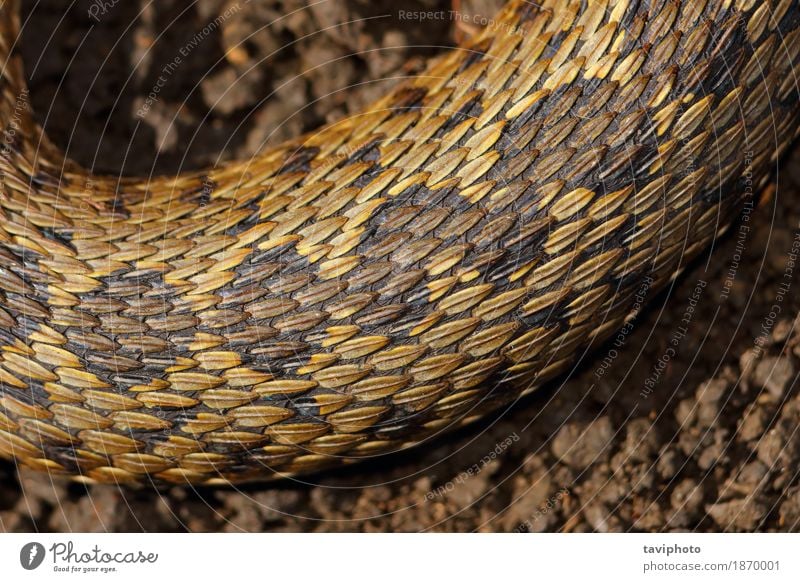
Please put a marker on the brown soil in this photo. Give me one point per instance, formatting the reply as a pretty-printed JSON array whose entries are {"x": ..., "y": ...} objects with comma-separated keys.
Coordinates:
[{"x": 634, "y": 439}]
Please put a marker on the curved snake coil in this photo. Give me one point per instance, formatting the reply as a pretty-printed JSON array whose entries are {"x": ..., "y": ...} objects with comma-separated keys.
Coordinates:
[{"x": 395, "y": 274}]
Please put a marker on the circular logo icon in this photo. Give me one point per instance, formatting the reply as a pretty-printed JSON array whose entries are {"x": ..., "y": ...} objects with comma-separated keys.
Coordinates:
[{"x": 31, "y": 555}]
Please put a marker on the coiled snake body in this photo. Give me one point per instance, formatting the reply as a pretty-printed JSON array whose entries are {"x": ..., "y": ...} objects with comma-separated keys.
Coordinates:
[{"x": 390, "y": 276}]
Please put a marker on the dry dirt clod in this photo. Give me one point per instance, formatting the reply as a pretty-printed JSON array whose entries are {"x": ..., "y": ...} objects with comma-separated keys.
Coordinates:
[
  {"x": 688, "y": 497},
  {"x": 579, "y": 445},
  {"x": 774, "y": 375},
  {"x": 739, "y": 514}
]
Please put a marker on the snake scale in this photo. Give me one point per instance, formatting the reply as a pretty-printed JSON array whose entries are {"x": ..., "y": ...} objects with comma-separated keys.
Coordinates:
[{"x": 390, "y": 276}]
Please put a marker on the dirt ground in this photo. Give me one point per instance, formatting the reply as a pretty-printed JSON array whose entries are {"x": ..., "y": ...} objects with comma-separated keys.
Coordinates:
[{"x": 637, "y": 438}]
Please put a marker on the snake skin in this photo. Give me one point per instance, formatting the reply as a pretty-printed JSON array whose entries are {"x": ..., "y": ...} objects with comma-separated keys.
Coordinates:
[{"x": 391, "y": 276}]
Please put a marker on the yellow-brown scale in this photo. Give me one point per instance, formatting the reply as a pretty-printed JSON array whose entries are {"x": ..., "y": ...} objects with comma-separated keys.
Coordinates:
[{"x": 393, "y": 275}]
